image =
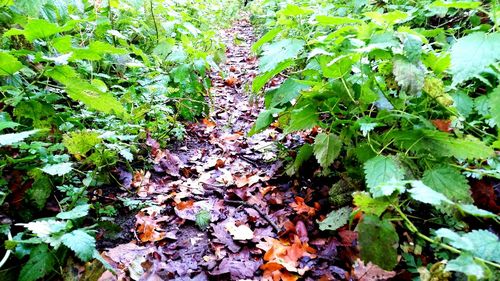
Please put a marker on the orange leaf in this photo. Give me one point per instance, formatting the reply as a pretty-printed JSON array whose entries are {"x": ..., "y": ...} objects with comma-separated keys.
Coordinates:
[
  {"x": 185, "y": 205},
  {"x": 442, "y": 125},
  {"x": 208, "y": 122},
  {"x": 301, "y": 208}
]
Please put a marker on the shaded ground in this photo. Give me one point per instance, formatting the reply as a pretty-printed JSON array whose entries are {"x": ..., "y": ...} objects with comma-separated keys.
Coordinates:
[{"x": 218, "y": 207}]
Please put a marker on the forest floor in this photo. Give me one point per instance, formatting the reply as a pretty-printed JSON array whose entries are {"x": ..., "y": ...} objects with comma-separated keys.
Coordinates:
[{"x": 218, "y": 206}]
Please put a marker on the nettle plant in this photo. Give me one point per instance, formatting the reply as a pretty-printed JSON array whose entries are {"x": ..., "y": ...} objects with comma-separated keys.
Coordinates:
[
  {"x": 406, "y": 97},
  {"x": 81, "y": 83}
]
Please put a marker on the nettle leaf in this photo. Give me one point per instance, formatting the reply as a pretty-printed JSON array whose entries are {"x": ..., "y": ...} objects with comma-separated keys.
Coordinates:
[
  {"x": 326, "y": 148},
  {"x": 9, "y": 139},
  {"x": 270, "y": 35},
  {"x": 383, "y": 176},
  {"x": 335, "y": 219},
  {"x": 263, "y": 121},
  {"x": 40, "y": 189},
  {"x": 305, "y": 152},
  {"x": 302, "y": 119},
  {"x": 261, "y": 80},
  {"x": 388, "y": 19},
  {"x": 378, "y": 241},
  {"x": 60, "y": 169},
  {"x": 473, "y": 54},
  {"x": 41, "y": 263},
  {"x": 410, "y": 76},
  {"x": 77, "y": 212},
  {"x": 45, "y": 228},
  {"x": 425, "y": 194},
  {"x": 277, "y": 52},
  {"x": 442, "y": 144},
  {"x": 37, "y": 29},
  {"x": 466, "y": 264},
  {"x": 463, "y": 103},
  {"x": 288, "y": 91},
  {"x": 494, "y": 103},
  {"x": 81, "y": 243},
  {"x": 81, "y": 142},
  {"x": 9, "y": 64},
  {"x": 369, "y": 205},
  {"x": 480, "y": 243},
  {"x": 448, "y": 181},
  {"x": 475, "y": 211}
]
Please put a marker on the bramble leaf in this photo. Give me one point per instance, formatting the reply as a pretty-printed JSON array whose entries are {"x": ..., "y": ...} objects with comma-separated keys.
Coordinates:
[{"x": 378, "y": 241}]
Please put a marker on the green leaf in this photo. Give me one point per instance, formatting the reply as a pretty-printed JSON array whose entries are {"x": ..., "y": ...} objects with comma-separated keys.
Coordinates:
[
  {"x": 77, "y": 212},
  {"x": 9, "y": 64},
  {"x": 81, "y": 142},
  {"x": 480, "y": 243},
  {"x": 263, "y": 121},
  {"x": 85, "y": 92},
  {"x": 40, "y": 189},
  {"x": 335, "y": 219},
  {"x": 473, "y": 54},
  {"x": 448, "y": 181},
  {"x": 378, "y": 241},
  {"x": 326, "y": 148},
  {"x": 332, "y": 21},
  {"x": 456, "y": 4},
  {"x": 41, "y": 263},
  {"x": 305, "y": 152},
  {"x": 387, "y": 19},
  {"x": 39, "y": 29},
  {"x": 383, "y": 176},
  {"x": 288, "y": 91},
  {"x": 261, "y": 80},
  {"x": 45, "y": 228},
  {"x": 494, "y": 105},
  {"x": 475, "y": 211},
  {"x": 443, "y": 144},
  {"x": 278, "y": 52},
  {"x": 467, "y": 265},
  {"x": 302, "y": 119},
  {"x": 463, "y": 103},
  {"x": 81, "y": 243},
  {"x": 410, "y": 77},
  {"x": 60, "y": 169},
  {"x": 9, "y": 139},
  {"x": 270, "y": 35},
  {"x": 369, "y": 205},
  {"x": 425, "y": 194}
]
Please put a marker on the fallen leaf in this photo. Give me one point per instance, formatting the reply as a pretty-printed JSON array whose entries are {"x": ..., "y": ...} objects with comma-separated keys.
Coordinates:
[
  {"x": 442, "y": 125},
  {"x": 371, "y": 272},
  {"x": 148, "y": 229},
  {"x": 300, "y": 207},
  {"x": 240, "y": 232}
]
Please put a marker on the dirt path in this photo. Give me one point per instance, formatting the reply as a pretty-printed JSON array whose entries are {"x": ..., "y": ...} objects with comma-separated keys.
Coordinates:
[{"x": 217, "y": 202}]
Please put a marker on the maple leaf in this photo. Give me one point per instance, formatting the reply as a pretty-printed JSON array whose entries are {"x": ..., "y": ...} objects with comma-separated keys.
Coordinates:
[{"x": 301, "y": 208}]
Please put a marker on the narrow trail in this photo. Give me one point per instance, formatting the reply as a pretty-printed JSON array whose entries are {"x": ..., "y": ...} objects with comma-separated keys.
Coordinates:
[{"x": 232, "y": 182}]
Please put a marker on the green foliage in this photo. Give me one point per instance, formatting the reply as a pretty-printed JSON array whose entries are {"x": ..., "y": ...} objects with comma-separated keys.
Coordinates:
[
  {"x": 81, "y": 82},
  {"x": 378, "y": 241},
  {"x": 392, "y": 93},
  {"x": 326, "y": 149},
  {"x": 40, "y": 264}
]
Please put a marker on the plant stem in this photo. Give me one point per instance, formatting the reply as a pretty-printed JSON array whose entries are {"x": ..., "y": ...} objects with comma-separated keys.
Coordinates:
[
  {"x": 154, "y": 21},
  {"x": 414, "y": 229}
]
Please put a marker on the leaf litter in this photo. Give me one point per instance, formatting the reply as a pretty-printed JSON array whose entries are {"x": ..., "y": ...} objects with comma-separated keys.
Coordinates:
[{"x": 258, "y": 224}]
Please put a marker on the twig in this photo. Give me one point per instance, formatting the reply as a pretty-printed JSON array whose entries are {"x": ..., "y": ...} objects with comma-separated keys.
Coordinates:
[
  {"x": 7, "y": 254},
  {"x": 261, "y": 213}
]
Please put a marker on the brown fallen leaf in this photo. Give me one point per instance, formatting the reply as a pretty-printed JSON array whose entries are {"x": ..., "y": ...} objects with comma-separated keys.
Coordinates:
[
  {"x": 240, "y": 232},
  {"x": 300, "y": 207},
  {"x": 148, "y": 229},
  {"x": 371, "y": 272}
]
